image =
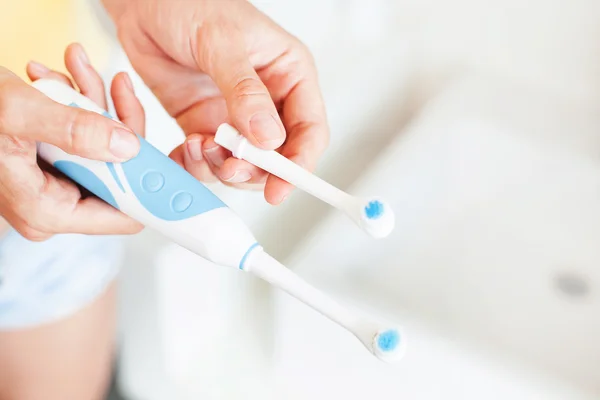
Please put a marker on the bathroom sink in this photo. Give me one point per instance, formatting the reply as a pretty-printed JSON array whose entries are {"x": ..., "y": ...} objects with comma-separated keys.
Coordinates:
[{"x": 495, "y": 252}]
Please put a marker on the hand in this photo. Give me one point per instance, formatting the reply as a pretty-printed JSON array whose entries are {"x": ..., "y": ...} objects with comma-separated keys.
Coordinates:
[
  {"x": 209, "y": 62},
  {"x": 39, "y": 203}
]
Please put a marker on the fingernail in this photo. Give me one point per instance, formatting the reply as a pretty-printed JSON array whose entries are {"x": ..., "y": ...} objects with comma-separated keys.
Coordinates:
[
  {"x": 124, "y": 144},
  {"x": 239, "y": 177},
  {"x": 38, "y": 68},
  {"x": 214, "y": 155},
  {"x": 194, "y": 148},
  {"x": 266, "y": 130},
  {"x": 83, "y": 57},
  {"x": 127, "y": 80}
]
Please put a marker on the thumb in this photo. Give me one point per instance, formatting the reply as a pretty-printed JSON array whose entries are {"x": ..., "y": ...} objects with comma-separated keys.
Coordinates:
[
  {"x": 249, "y": 104},
  {"x": 28, "y": 114}
]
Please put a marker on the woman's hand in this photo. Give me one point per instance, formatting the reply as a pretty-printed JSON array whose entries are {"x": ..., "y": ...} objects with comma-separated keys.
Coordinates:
[
  {"x": 39, "y": 202},
  {"x": 209, "y": 62}
]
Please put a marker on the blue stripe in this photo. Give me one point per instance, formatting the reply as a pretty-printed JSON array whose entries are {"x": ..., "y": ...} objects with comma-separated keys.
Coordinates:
[
  {"x": 113, "y": 172},
  {"x": 243, "y": 261}
]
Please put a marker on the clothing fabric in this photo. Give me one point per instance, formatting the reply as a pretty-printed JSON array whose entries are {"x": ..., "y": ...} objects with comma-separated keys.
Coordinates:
[{"x": 41, "y": 282}]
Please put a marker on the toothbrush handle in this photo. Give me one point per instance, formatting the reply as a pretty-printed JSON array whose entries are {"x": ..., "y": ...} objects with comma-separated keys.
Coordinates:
[
  {"x": 276, "y": 164},
  {"x": 154, "y": 190}
]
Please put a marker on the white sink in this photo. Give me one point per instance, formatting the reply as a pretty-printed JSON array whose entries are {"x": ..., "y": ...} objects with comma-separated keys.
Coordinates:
[{"x": 496, "y": 248}]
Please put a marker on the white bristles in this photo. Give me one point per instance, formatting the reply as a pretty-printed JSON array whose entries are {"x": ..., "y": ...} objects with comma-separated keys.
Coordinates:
[
  {"x": 384, "y": 341},
  {"x": 374, "y": 216}
]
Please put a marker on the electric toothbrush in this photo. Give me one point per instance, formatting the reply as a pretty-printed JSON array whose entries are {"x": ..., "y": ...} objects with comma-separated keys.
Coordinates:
[
  {"x": 373, "y": 215},
  {"x": 157, "y": 192}
]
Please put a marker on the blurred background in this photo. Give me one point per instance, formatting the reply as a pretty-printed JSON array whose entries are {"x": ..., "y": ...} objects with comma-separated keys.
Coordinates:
[{"x": 479, "y": 121}]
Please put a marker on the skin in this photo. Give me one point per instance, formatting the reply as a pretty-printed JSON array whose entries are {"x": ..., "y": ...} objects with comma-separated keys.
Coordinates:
[
  {"x": 210, "y": 62},
  {"x": 35, "y": 201},
  {"x": 70, "y": 358},
  {"x": 67, "y": 359}
]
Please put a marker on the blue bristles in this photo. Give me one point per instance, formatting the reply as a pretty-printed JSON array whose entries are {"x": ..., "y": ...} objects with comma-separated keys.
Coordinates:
[
  {"x": 388, "y": 340},
  {"x": 374, "y": 209}
]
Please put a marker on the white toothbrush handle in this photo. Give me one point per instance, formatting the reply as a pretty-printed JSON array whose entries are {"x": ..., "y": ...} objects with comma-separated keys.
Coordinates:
[
  {"x": 384, "y": 340},
  {"x": 155, "y": 191},
  {"x": 276, "y": 164}
]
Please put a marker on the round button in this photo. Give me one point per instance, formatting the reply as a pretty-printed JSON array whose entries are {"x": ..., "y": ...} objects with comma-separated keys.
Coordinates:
[
  {"x": 181, "y": 201},
  {"x": 153, "y": 181}
]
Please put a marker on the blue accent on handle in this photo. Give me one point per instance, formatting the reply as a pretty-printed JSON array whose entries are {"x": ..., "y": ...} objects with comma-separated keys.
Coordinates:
[
  {"x": 374, "y": 209},
  {"x": 166, "y": 190},
  {"x": 86, "y": 178},
  {"x": 181, "y": 201},
  {"x": 153, "y": 181},
  {"x": 245, "y": 257},
  {"x": 113, "y": 172},
  {"x": 388, "y": 340}
]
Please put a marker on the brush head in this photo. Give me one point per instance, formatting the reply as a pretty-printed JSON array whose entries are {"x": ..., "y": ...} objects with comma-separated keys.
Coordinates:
[
  {"x": 384, "y": 340},
  {"x": 388, "y": 344},
  {"x": 377, "y": 217}
]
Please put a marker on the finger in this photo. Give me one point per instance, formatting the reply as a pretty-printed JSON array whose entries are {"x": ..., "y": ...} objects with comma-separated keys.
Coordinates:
[
  {"x": 189, "y": 95},
  {"x": 62, "y": 210},
  {"x": 190, "y": 157},
  {"x": 308, "y": 134},
  {"x": 28, "y": 114},
  {"x": 177, "y": 155},
  {"x": 27, "y": 231},
  {"x": 89, "y": 81},
  {"x": 306, "y": 122},
  {"x": 214, "y": 154},
  {"x": 302, "y": 150},
  {"x": 128, "y": 107},
  {"x": 93, "y": 216},
  {"x": 276, "y": 189},
  {"x": 249, "y": 103},
  {"x": 46, "y": 204},
  {"x": 37, "y": 71},
  {"x": 204, "y": 116},
  {"x": 237, "y": 171}
]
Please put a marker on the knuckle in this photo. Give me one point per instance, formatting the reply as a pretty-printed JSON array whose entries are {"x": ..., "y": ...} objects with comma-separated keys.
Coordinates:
[
  {"x": 82, "y": 133},
  {"x": 247, "y": 87},
  {"x": 12, "y": 146},
  {"x": 76, "y": 133}
]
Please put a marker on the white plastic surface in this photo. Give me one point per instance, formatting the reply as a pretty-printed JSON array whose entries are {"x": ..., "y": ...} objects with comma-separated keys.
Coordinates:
[
  {"x": 365, "y": 328},
  {"x": 278, "y": 165}
]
